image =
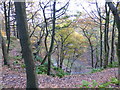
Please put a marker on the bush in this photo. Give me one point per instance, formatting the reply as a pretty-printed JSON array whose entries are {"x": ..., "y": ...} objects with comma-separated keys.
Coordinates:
[
  {"x": 22, "y": 65},
  {"x": 41, "y": 69},
  {"x": 40, "y": 59},
  {"x": 115, "y": 81},
  {"x": 104, "y": 85},
  {"x": 16, "y": 62},
  {"x": 60, "y": 73},
  {"x": 96, "y": 70},
  {"x": 94, "y": 84},
  {"x": 114, "y": 64},
  {"x": 85, "y": 84},
  {"x": 107, "y": 84},
  {"x": 17, "y": 57}
]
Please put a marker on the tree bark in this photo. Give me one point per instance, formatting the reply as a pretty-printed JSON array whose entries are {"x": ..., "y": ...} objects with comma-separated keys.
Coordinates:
[
  {"x": 112, "y": 44},
  {"x": 101, "y": 35},
  {"x": 117, "y": 20},
  {"x": 91, "y": 47},
  {"x": 7, "y": 23},
  {"x": 4, "y": 50},
  {"x": 52, "y": 38},
  {"x": 106, "y": 31},
  {"x": 22, "y": 28}
]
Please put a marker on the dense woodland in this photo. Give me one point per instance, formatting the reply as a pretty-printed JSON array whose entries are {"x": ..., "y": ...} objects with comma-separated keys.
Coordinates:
[{"x": 45, "y": 39}]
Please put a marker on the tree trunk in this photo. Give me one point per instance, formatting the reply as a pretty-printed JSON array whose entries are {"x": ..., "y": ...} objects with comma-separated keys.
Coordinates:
[
  {"x": 101, "y": 45},
  {"x": 22, "y": 28},
  {"x": 52, "y": 38},
  {"x": 4, "y": 50},
  {"x": 7, "y": 24},
  {"x": 112, "y": 44},
  {"x": 8, "y": 28},
  {"x": 101, "y": 35},
  {"x": 92, "y": 52},
  {"x": 61, "y": 53},
  {"x": 117, "y": 20},
  {"x": 106, "y": 42}
]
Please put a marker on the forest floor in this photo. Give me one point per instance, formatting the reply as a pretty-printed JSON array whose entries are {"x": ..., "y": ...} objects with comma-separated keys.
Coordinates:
[
  {"x": 15, "y": 76},
  {"x": 15, "y": 79}
]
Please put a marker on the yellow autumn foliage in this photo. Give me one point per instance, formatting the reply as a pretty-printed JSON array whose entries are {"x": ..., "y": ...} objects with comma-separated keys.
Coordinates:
[
  {"x": 75, "y": 40},
  {"x": 3, "y": 33}
]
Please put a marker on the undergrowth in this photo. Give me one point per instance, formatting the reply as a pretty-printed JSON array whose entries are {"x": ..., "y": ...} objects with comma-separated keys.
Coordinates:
[
  {"x": 94, "y": 84},
  {"x": 42, "y": 69}
]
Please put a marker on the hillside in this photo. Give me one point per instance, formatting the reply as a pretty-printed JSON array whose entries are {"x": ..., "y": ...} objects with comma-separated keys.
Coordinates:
[{"x": 14, "y": 79}]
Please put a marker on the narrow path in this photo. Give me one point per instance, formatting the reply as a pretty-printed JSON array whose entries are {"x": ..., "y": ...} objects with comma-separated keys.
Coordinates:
[{"x": 80, "y": 67}]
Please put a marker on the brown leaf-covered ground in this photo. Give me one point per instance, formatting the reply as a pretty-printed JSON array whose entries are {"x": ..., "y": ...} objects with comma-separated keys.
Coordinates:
[
  {"x": 15, "y": 79},
  {"x": 15, "y": 76},
  {"x": 12, "y": 78}
]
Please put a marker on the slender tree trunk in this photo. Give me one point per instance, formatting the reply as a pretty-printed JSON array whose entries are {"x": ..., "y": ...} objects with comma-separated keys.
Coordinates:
[
  {"x": 58, "y": 55},
  {"x": 101, "y": 34},
  {"x": 68, "y": 65},
  {"x": 61, "y": 63},
  {"x": 46, "y": 35},
  {"x": 92, "y": 56},
  {"x": 112, "y": 44},
  {"x": 97, "y": 58},
  {"x": 91, "y": 47},
  {"x": 7, "y": 23},
  {"x": 92, "y": 52},
  {"x": 22, "y": 28},
  {"x": 52, "y": 39},
  {"x": 4, "y": 50},
  {"x": 61, "y": 53},
  {"x": 18, "y": 34},
  {"x": 101, "y": 45},
  {"x": 8, "y": 27},
  {"x": 14, "y": 29},
  {"x": 106, "y": 42}
]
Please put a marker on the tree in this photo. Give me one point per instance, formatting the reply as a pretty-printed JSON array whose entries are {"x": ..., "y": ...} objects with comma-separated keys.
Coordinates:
[
  {"x": 101, "y": 33},
  {"x": 3, "y": 44},
  {"x": 4, "y": 50},
  {"x": 117, "y": 20},
  {"x": 91, "y": 45},
  {"x": 50, "y": 26},
  {"x": 7, "y": 23},
  {"x": 52, "y": 38},
  {"x": 69, "y": 45},
  {"x": 106, "y": 31},
  {"x": 88, "y": 28},
  {"x": 22, "y": 28},
  {"x": 104, "y": 20},
  {"x": 97, "y": 20},
  {"x": 62, "y": 43},
  {"x": 112, "y": 43}
]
